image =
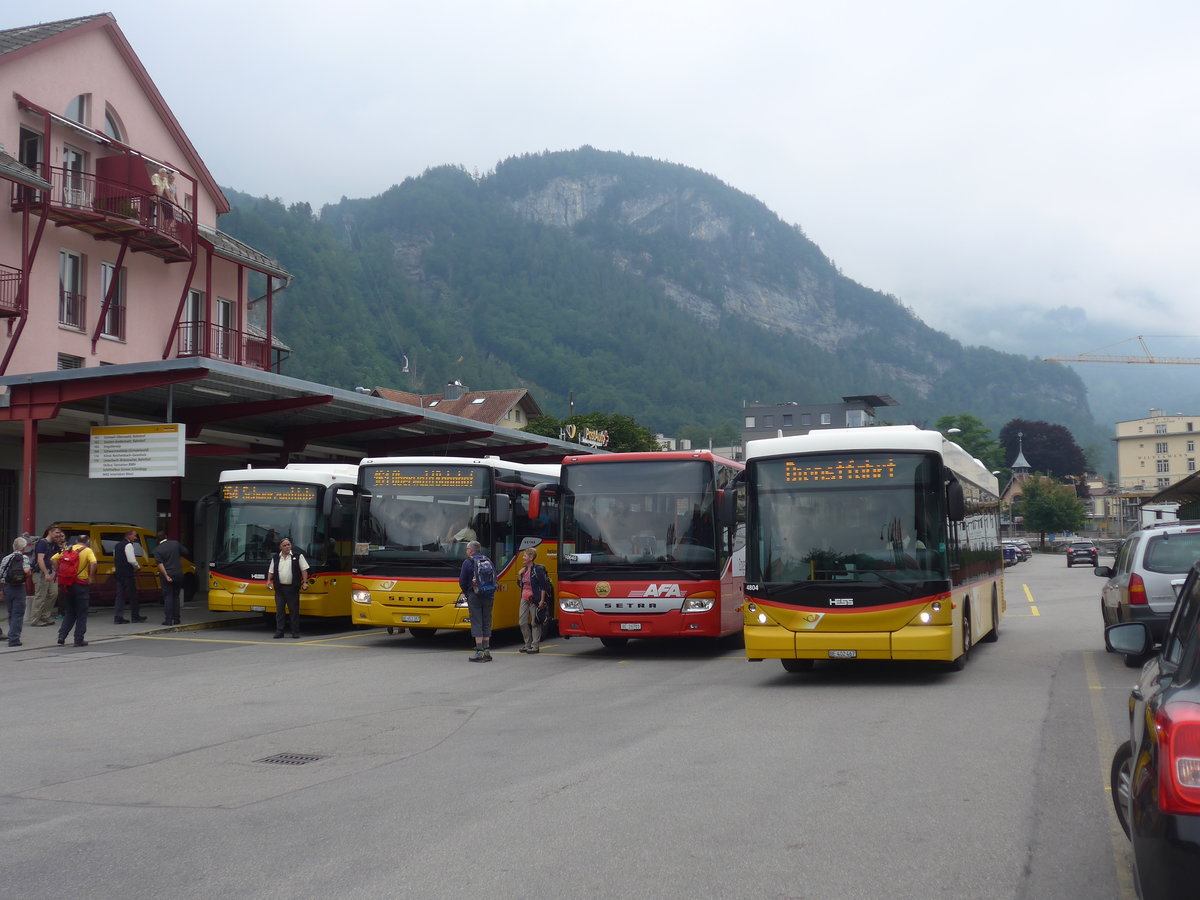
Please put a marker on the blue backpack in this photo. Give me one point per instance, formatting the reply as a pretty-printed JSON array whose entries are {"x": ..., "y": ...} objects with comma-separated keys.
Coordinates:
[{"x": 484, "y": 581}]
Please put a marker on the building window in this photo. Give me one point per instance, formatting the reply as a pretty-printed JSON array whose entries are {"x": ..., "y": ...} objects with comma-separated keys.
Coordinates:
[
  {"x": 1189, "y": 426},
  {"x": 1160, "y": 428},
  {"x": 826, "y": 419},
  {"x": 1163, "y": 465},
  {"x": 112, "y": 126},
  {"x": 1191, "y": 445},
  {"x": 768, "y": 421},
  {"x": 223, "y": 331},
  {"x": 114, "y": 320},
  {"x": 190, "y": 328},
  {"x": 787, "y": 420},
  {"x": 71, "y": 298},
  {"x": 74, "y": 186},
  {"x": 805, "y": 418},
  {"x": 1160, "y": 447},
  {"x": 1191, "y": 463},
  {"x": 517, "y": 413},
  {"x": 67, "y": 361},
  {"x": 1163, "y": 482},
  {"x": 77, "y": 109},
  {"x": 749, "y": 421},
  {"x": 857, "y": 418}
]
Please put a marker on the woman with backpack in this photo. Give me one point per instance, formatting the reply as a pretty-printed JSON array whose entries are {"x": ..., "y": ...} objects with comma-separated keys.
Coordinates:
[
  {"x": 477, "y": 578},
  {"x": 535, "y": 588}
]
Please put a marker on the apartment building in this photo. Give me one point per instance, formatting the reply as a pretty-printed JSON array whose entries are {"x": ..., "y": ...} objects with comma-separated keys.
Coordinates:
[
  {"x": 1156, "y": 451},
  {"x": 109, "y": 247}
]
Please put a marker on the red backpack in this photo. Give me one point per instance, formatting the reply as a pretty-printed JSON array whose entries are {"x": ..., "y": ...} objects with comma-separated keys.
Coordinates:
[{"x": 68, "y": 567}]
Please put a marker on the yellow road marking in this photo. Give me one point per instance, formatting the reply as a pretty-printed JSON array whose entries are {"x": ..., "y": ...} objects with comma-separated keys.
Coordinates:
[{"x": 1028, "y": 592}]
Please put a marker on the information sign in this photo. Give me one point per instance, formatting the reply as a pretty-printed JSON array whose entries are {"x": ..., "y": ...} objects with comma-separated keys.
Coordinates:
[{"x": 136, "y": 451}]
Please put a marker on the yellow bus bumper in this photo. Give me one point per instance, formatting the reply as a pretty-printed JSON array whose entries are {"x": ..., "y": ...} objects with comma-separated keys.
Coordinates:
[{"x": 934, "y": 642}]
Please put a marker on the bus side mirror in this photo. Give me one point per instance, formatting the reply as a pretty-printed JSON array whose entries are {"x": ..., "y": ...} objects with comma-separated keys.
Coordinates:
[
  {"x": 535, "y": 503},
  {"x": 956, "y": 504},
  {"x": 331, "y": 493},
  {"x": 727, "y": 506},
  {"x": 503, "y": 509}
]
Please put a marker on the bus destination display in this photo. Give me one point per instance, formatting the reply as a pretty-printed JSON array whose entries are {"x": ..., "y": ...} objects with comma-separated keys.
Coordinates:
[
  {"x": 427, "y": 478},
  {"x": 878, "y": 469},
  {"x": 269, "y": 492}
]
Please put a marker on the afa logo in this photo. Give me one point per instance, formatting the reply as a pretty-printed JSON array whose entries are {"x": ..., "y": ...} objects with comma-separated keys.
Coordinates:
[{"x": 659, "y": 590}]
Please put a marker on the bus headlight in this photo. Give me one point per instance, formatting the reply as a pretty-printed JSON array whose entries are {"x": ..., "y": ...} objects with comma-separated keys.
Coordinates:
[
  {"x": 925, "y": 618},
  {"x": 461, "y": 602},
  {"x": 698, "y": 604},
  {"x": 762, "y": 618},
  {"x": 360, "y": 596},
  {"x": 570, "y": 604}
]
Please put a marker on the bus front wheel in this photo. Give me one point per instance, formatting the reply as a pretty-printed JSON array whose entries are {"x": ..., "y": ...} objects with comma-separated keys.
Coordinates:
[
  {"x": 797, "y": 665},
  {"x": 614, "y": 643},
  {"x": 961, "y": 663}
]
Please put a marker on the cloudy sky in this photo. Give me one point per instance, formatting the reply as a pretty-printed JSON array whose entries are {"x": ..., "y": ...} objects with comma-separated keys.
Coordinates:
[{"x": 1022, "y": 175}]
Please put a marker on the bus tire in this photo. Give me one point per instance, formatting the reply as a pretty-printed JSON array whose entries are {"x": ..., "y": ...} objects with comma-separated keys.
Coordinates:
[
  {"x": 797, "y": 665},
  {"x": 994, "y": 635},
  {"x": 614, "y": 643},
  {"x": 961, "y": 663},
  {"x": 424, "y": 635}
]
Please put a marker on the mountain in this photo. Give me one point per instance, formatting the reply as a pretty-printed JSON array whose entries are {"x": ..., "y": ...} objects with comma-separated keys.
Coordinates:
[{"x": 642, "y": 287}]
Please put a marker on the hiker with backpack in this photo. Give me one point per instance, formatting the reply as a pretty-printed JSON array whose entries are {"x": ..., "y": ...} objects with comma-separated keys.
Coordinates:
[
  {"x": 14, "y": 570},
  {"x": 477, "y": 578},
  {"x": 76, "y": 567}
]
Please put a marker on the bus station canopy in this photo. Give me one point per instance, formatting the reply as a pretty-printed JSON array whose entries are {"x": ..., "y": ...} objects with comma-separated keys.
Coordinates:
[{"x": 251, "y": 416}]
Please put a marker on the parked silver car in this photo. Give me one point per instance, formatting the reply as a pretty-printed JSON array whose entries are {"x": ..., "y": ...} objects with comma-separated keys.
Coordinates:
[{"x": 1145, "y": 579}]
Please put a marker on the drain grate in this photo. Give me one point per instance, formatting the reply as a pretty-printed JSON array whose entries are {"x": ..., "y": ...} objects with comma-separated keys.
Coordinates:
[{"x": 290, "y": 759}]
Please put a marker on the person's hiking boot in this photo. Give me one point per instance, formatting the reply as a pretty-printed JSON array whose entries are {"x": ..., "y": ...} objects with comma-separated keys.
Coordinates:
[
  {"x": 477, "y": 656},
  {"x": 487, "y": 655}
]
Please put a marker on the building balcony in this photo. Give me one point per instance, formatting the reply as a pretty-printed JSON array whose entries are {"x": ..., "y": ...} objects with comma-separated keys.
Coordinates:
[
  {"x": 244, "y": 348},
  {"x": 10, "y": 291},
  {"x": 113, "y": 211}
]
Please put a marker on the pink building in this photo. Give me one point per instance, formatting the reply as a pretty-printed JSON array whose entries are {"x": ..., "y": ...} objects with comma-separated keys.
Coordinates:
[{"x": 109, "y": 250}]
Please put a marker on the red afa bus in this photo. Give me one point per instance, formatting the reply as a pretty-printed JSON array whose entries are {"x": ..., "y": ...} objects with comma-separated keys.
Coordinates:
[{"x": 652, "y": 545}]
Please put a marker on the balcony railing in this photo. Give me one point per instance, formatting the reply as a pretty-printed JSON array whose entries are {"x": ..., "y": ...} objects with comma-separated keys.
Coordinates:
[
  {"x": 222, "y": 342},
  {"x": 10, "y": 290},
  {"x": 101, "y": 206},
  {"x": 72, "y": 309}
]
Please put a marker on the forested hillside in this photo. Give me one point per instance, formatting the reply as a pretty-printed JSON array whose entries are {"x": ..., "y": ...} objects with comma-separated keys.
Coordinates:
[{"x": 646, "y": 288}]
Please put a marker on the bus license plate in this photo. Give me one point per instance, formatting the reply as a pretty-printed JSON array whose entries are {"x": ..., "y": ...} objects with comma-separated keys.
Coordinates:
[
  {"x": 843, "y": 654},
  {"x": 410, "y": 618},
  {"x": 258, "y": 609},
  {"x": 631, "y": 626}
]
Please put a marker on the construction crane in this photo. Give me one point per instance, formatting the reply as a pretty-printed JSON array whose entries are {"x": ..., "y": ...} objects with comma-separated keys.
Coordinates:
[{"x": 1148, "y": 357}]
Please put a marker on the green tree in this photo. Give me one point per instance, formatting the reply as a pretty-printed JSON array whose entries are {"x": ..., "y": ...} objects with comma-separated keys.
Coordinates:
[
  {"x": 1048, "y": 506},
  {"x": 974, "y": 437},
  {"x": 624, "y": 434}
]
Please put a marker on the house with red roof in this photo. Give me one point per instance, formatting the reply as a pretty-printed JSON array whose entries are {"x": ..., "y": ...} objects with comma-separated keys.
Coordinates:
[{"x": 109, "y": 246}]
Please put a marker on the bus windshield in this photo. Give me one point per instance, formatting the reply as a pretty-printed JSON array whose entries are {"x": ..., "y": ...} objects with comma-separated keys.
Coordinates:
[
  {"x": 847, "y": 517},
  {"x": 638, "y": 514},
  {"x": 253, "y": 516},
  {"x": 422, "y": 513}
]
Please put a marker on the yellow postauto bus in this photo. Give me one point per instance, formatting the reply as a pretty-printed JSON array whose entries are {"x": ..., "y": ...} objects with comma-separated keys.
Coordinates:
[
  {"x": 311, "y": 504},
  {"x": 869, "y": 543},
  {"x": 417, "y": 515}
]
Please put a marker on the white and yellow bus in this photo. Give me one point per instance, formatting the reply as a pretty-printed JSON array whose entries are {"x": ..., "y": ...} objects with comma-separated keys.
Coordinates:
[
  {"x": 870, "y": 543},
  {"x": 417, "y": 515},
  {"x": 312, "y": 505}
]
